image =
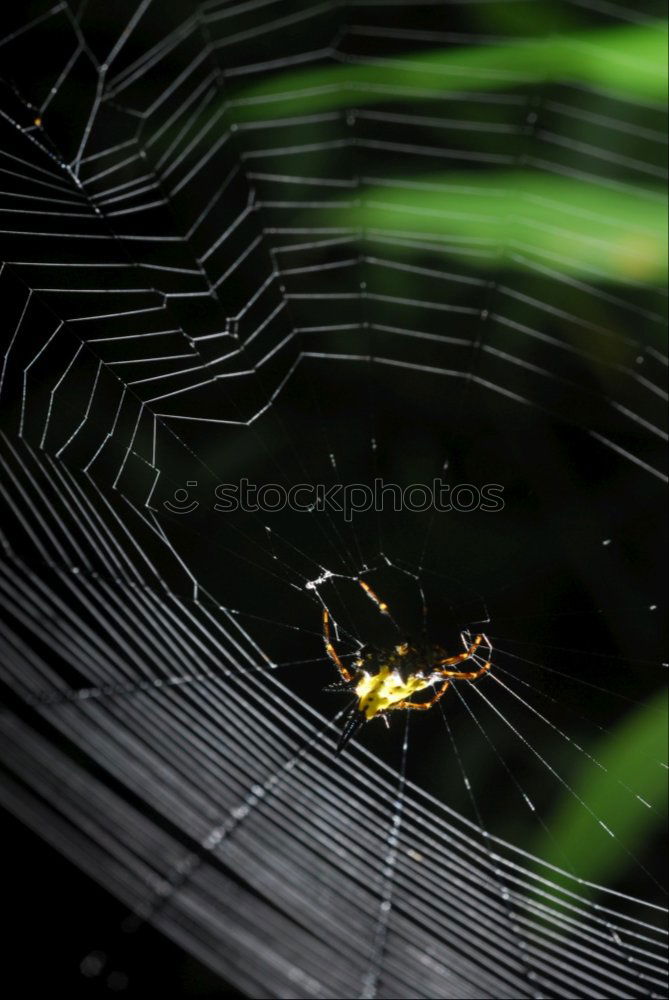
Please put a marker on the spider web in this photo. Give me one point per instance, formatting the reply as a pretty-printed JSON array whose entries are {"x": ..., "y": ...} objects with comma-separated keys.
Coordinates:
[{"x": 187, "y": 301}]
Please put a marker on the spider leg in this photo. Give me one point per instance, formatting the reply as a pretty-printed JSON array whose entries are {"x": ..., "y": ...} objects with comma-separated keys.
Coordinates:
[
  {"x": 422, "y": 706},
  {"x": 352, "y": 723},
  {"x": 345, "y": 674},
  {"x": 465, "y": 675},
  {"x": 381, "y": 605}
]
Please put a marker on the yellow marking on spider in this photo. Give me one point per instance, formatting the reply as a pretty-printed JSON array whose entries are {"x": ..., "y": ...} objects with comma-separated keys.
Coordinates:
[{"x": 382, "y": 691}]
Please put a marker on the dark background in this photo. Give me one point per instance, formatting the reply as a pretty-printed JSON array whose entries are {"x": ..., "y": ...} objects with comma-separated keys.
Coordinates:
[{"x": 537, "y": 574}]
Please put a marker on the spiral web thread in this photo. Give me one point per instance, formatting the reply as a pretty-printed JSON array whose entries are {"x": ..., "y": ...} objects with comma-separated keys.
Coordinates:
[{"x": 158, "y": 276}]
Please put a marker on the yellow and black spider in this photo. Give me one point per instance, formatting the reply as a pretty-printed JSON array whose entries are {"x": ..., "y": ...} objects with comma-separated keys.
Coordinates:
[{"x": 384, "y": 681}]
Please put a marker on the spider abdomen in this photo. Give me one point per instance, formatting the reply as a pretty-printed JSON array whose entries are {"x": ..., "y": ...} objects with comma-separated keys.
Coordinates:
[{"x": 384, "y": 690}]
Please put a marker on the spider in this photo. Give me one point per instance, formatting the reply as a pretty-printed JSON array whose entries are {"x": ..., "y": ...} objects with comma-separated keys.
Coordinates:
[{"x": 384, "y": 681}]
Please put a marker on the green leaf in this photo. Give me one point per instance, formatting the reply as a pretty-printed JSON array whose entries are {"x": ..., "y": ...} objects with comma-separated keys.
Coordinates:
[
  {"x": 579, "y": 227},
  {"x": 629, "y": 60},
  {"x": 631, "y": 759}
]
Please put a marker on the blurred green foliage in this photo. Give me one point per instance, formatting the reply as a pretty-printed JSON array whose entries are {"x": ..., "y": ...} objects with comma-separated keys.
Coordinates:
[
  {"x": 608, "y": 231},
  {"x": 629, "y": 764},
  {"x": 581, "y": 226},
  {"x": 629, "y": 60}
]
